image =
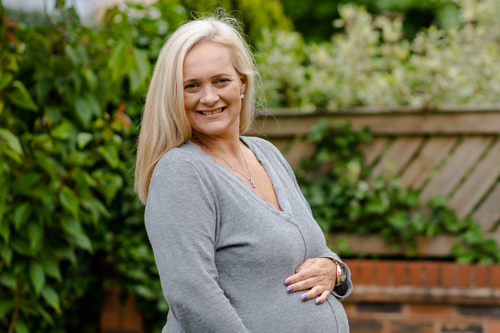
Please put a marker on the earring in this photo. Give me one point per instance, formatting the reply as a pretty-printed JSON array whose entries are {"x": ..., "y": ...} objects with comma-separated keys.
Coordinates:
[{"x": 242, "y": 95}]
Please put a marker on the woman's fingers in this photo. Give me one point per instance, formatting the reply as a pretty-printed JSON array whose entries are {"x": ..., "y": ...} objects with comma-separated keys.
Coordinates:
[
  {"x": 322, "y": 297},
  {"x": 316, "y": 274}
]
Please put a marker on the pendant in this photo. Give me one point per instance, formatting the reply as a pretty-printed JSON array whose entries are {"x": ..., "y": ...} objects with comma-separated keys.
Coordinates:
[{"x": 253, "y": 184}]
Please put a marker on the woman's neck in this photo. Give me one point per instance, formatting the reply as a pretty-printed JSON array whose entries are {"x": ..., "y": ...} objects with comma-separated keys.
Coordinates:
[{"x": 226, "y": 146}]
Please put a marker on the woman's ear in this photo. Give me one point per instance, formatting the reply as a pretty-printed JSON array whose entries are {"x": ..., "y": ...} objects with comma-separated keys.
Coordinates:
[{"x": 243, "y": 83}]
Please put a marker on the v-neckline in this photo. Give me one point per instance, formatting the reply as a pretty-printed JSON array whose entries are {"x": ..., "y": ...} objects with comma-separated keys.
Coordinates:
[{"x": 276, "y": 184}]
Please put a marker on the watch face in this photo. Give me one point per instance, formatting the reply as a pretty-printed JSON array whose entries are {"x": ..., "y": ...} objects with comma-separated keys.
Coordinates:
[{"x": 343, "y": 275}]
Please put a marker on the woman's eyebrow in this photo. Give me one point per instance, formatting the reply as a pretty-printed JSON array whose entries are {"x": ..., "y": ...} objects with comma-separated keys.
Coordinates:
[{"x": 214, "y": 76}]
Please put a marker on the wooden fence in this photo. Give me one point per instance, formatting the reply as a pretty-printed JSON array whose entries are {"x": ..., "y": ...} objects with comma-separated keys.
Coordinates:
[{"x": 455, "y": 153}]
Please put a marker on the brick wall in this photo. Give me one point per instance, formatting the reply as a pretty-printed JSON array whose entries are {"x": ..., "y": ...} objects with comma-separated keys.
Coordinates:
[
  {"x": 423, "y": 297},
  {"x": 388, "y": 297}
]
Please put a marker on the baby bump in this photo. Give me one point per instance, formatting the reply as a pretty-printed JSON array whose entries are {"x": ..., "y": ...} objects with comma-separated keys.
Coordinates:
[{"x": 288, "y": 313}]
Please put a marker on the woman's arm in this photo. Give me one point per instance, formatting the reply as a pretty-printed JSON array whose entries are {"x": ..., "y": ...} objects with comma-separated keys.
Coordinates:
[{"x": 181, "y": 224}]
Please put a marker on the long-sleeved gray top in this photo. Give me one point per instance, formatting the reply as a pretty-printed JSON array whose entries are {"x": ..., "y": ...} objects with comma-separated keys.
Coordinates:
[{"x": 223, "y": 253}]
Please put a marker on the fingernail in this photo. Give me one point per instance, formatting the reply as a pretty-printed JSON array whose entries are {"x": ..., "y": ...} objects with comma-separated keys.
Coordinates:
[
  {"x": 287, "y": 282},
  {"x": 318, "y": 301},
  {"x": 299, "y": 269},
  {"x": 290, "y": 289},
  {"x": 304, "y": 297}
]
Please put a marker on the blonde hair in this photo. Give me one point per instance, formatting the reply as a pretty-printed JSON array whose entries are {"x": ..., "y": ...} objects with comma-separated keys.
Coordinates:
[{"x": 164, "y": 124}]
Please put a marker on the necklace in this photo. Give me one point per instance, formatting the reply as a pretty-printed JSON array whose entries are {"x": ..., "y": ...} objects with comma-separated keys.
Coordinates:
[{"x": 230, "y": 165}]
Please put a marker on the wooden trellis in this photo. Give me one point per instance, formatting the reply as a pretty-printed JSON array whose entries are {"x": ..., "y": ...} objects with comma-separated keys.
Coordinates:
[{"x": 452, "y": 153}]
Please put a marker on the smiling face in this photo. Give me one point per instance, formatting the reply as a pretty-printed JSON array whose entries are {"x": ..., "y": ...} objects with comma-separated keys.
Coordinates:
[{"x": 212, "y": 89}]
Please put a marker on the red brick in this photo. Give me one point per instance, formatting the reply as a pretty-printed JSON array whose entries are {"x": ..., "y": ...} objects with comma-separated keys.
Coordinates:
[
  {"x": 464, "y": 280},
  {"x": 411, "y": 326},
  {"x": 431, "y": 274},
  {"x": 448, "y": 275},
  {"x": 382, "y": 273},
  {"x": 493, "y": 326},
  {"x": 462, "y": 327},
  {"x": 495, "y": 276},
  {"x": 399, "y": 273},
  {"x": 110, "y": 319},
  {"x": 365, "y": 326},
  {"x": 482, "y": 276},
  {"x": 415, "y": 274},
  {"x": 132, "y": 321},
  {"x": 367, "y": 272},
  {"x": 353, "y": 267},
  {"x": 429, "y": 310}
]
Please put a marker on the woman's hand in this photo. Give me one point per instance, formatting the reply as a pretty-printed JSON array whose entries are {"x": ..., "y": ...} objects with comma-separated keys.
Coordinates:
[{"x": 317, "y": 274}]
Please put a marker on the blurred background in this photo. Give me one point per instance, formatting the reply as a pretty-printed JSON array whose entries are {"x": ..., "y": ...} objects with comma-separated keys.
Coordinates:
[{"x": 388, "y": 111}]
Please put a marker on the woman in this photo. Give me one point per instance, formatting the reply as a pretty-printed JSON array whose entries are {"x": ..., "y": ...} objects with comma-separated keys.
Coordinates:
[{"x": 235, "y": 242}]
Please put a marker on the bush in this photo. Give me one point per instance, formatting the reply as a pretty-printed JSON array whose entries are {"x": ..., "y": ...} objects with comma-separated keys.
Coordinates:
[{"x": 372, "y": 65}]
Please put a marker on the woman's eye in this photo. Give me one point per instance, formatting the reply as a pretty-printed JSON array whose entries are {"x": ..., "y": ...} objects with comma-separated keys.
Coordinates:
[
  {"x": 223, "y": 81},
  {"x": 191, "y": 86}
]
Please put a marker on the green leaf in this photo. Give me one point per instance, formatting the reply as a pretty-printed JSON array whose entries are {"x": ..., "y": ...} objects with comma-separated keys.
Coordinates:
[
  {"x": 21, "y": 215},
  {"x": 110, "y": 154},
  {"x": 83, "y": 110},
  {"x": 21, "y": 246},
  {"x": 117, "y": 61},
  {"x": 72, "y": 55},
  {"x": 142, "y": 63},
  {"x": 6, "y": 253},
  {"x": 71, "y": 225},
  {"x": 82, "y": 241},
  {"x": 69, "y": 201},
  {"x": 134, "y": 80},
  {"x": 51, "y": 297},
  {"x": 5, "y": 231},
  {"x": 96, "y": 209},
  {"x": 53, "y": 112},
  {"x": 25, "y": 182},
  {"x": 9, "y": 281},
  {"x": 37, "y": 276},
  {"x": 6, "y": 304},
  {"x": 35, "y": 235},
  {"x": 67, "y": 253},
  {"x": 51, "y": 266},
  {"x": 43, "y": 86},
  {"x": 21, "y": 97},
  {"x": 11, "y": 140},
  {"x": 5, "y": 79},
  {"x": 20, "y": 327},
  {"x": 62, "y": 132},
  {"x": 95, "y": 107},
  {"x": 90, "y": 77},
  {"x": 83, "y": 139}
]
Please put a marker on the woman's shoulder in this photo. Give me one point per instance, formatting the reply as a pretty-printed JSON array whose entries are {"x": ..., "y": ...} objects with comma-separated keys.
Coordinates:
[
  {"x": 262, "y": 144},
  {"x": 182, "y": 158}
]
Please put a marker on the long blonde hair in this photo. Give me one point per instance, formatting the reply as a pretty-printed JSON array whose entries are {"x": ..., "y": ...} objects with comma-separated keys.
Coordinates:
[{"x": 164, "y": 122}]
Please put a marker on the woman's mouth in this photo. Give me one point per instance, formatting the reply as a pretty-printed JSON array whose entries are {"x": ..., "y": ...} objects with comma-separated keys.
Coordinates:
[{"x": 206, "y": 113}]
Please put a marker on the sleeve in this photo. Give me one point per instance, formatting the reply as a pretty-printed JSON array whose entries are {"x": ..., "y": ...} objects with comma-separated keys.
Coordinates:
[
  {"x": 344, "y": 289},
  {"x": 181, "y": 224}
]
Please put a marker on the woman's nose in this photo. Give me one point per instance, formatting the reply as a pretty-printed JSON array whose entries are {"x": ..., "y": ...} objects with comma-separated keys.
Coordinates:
[{"x": 209, "y": 96}]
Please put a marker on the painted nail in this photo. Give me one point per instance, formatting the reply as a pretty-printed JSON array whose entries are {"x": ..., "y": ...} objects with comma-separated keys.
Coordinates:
[
  {"x": 290, "y": 289},
  {"x": 304, "y": 297},
  {"x": 287, "y": 282},
  {"x": 318, "y": 301}
]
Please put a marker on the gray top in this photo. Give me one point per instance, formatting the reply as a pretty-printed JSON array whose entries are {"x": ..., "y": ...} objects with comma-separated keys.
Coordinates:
[{"x": 223, "y": 253}]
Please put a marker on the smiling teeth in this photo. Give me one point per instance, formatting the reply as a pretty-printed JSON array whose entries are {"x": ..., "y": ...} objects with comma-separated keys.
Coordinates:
[{"x": 211, "y": 112}]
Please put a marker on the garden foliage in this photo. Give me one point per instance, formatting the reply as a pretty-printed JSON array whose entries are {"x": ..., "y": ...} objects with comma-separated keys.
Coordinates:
[{"x": 370, "y": 64}]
